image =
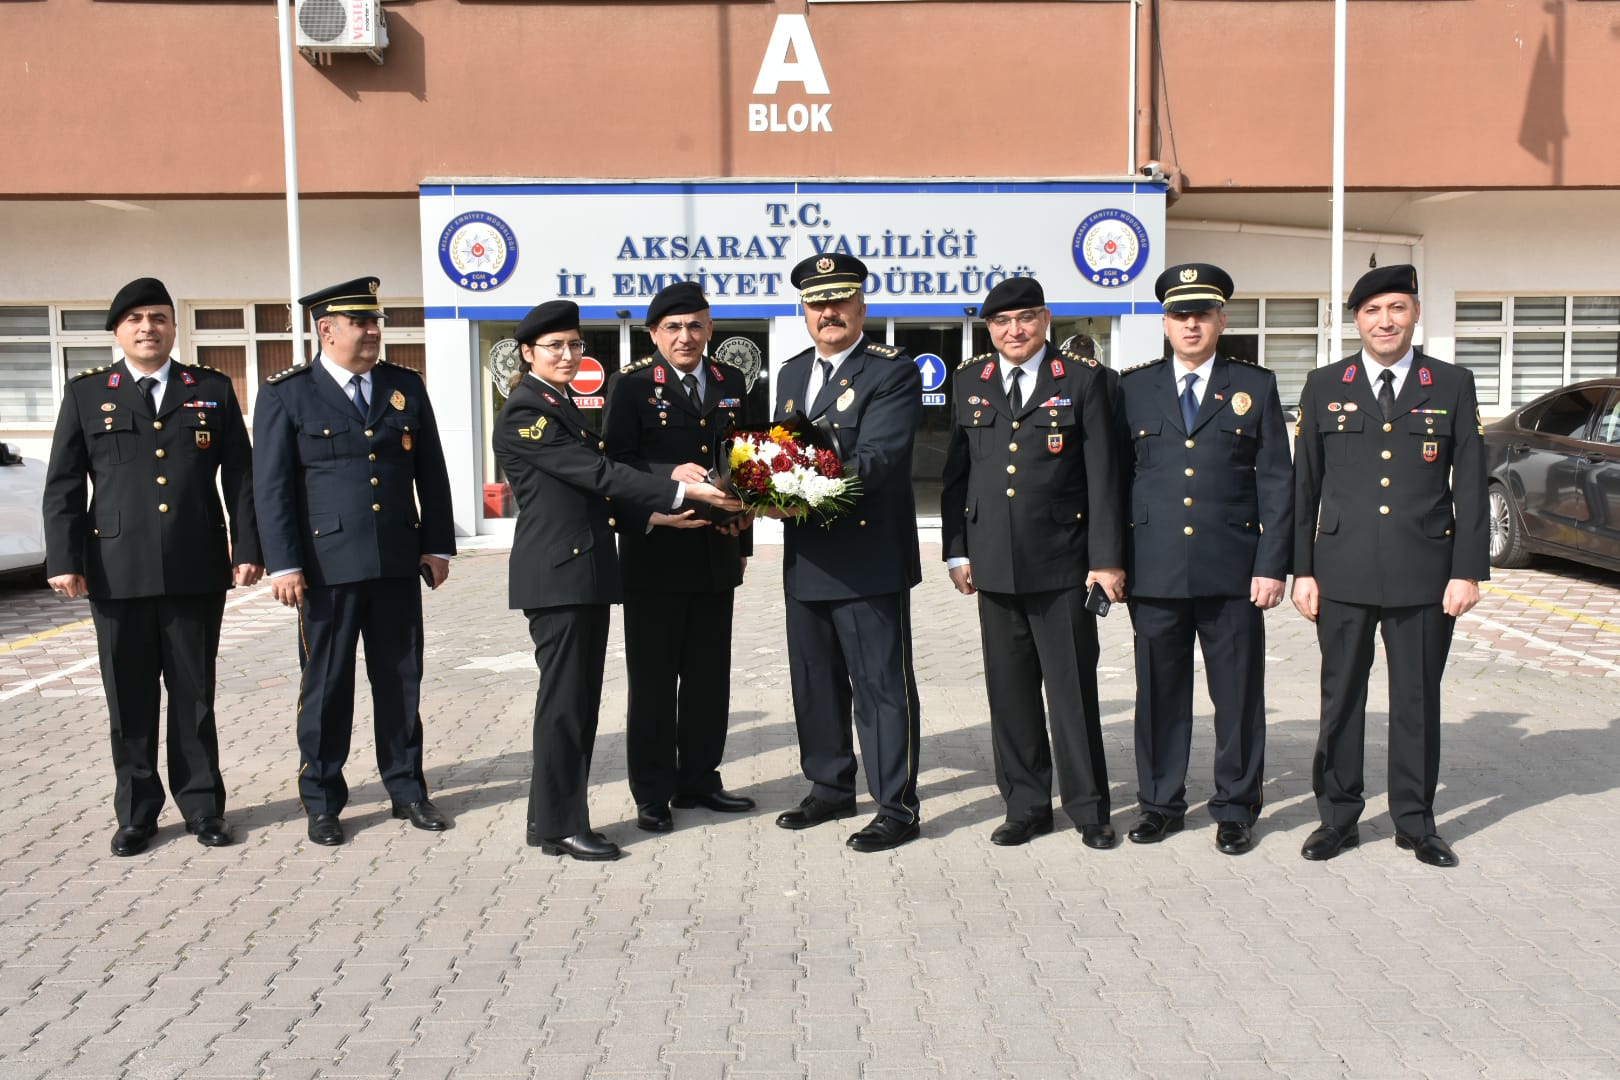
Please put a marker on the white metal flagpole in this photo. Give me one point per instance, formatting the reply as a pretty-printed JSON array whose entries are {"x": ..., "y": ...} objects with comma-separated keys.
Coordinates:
[
  {"x": 1336, "y": 286},
  {"x": 289, "y": 142}
]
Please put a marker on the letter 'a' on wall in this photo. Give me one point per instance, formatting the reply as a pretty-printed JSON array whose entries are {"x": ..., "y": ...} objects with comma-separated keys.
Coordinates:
[{"x": 792, "y": 32}]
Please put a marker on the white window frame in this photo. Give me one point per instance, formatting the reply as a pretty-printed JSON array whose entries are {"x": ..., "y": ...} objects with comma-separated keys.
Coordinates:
[
  {"x": 1503, "y": 330},
  {"x": 60, "y": 341}
]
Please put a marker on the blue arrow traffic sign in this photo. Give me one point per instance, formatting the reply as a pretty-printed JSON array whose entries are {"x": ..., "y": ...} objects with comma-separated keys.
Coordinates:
[{"x": 933, "y": 371}]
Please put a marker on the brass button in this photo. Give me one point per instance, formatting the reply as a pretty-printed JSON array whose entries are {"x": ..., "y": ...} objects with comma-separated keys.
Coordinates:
[
  {"x": 663, "y": 423},
  {"x": 375, "y": 481},
  {"x": 157, "y": 425},
  {"x": 863, "y": 523},
  {"x": 1238, "y": 431},
  {"x": 1389, "y": 427},
  {"x": 376, "y": 506},
  {"x": 1383, "y": 481},
  {"x": 163, "y": 480},
  {"x": 1011, "y": 469},
  {"x": 1080, "y": 515},
  {"x": 1015, "y": 425},
  {"x": 371, "y": 457},
  {"x": 1386, "y": 455},
  {"x": 162, "y": 453},
  {"x": 163, "y": 508},
  {"x": 326, "y": 431},
  {"x": 1187, "y": 530},
  {"x": 1187, "y": 501},
  {"x": 1011, "y": 493},
  {"x": 576, "y": 551},
  {"x": 368, "y": 433},
  {"x": 317, "y": 532},
  {"x": 603, "y": 446},
  {"x": 703, "y": 423},
  {"x": 96, "y": 531},
  {"x": 1189, "y": 472},
  {"x": 1189, "y": 444},
  {"x": 1383, "y": 510},
  {"x": 612, "y": 523},
  {"x": 1448, "y": 532},
  {"x": 1012, "y": 447},
  {"x": 1143, "y": 431},
  {"x": 703, "y": 449}
]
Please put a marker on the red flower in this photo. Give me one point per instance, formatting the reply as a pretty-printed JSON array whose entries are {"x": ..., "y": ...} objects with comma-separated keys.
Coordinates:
[
  {"x": 752, "y": 477},
  {"x": 828, "y": 465}
]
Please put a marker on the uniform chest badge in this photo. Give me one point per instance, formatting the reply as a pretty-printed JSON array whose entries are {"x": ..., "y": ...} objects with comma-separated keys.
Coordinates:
[
  {"x": 1054, "y": 444},
  {"x": 846, "y": 399},
  {"x": 1241, "y": 403},
  {"x": 1349, "y": 374},
  {"x": 108, "y": 406},
  {"x": 789, "y": 407},
  {"x": 1334, "y": 406},
  {"x": 406, "y": 441},
  {"x": 397, "y": 400},
  {"x": 729, "y": 403},
  {"x": 1424, "y": 377},
  {"x": 205, "y": 439},
  {"x": 1431, "y": 451},
  {"x": 1351, "y": 406}
]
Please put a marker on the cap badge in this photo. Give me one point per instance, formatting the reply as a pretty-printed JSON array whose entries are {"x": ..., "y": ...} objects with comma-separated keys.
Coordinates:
[
  {"x": 1189, "y": 275},
  {"x": 372, "y": 285},
  {"x": 397, "y": 400},
  {"x": 824, "y": 265},
  {"x": 1241, "y": 403}
]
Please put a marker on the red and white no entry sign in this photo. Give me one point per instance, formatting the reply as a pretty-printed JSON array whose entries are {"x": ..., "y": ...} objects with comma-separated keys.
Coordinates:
[{"x": 590, "y": 377}]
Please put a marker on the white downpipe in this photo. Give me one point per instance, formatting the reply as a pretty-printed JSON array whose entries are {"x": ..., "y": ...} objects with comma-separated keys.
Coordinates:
[
  {"x": 1336, "y": 288},
  {"x": 1130, "y": 127},
  {"x": 289, "y": 144}
]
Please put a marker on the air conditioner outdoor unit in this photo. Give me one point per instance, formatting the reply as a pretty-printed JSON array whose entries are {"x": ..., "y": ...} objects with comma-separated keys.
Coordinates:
[{"x": 341, "y": 26}]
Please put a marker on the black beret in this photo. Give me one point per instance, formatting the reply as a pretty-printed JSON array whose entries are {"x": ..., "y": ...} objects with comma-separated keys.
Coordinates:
[
  {"x": 1400, "y": 278},
  {"x": 1193, "y": 287},
  {"x": 1014, "y": 294},
  {"x": 142, "y": 292},
  {"x": 546, "y": 317},
  {"x": 821, "y": 278},
  {"x": 356, "y": 299},
  {"x": 681, "y": 298}
]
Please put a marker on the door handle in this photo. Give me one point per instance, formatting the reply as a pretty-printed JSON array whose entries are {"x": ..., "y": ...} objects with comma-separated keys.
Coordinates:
[{"x": 1594, "y": 459}]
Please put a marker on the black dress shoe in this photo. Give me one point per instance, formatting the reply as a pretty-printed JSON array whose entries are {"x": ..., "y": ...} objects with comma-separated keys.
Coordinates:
[
  {"x": 1022, "y": 831},
  {"x": 655, "y": 817},
  {"x": 1428, "y": 849},
  {"x": 131, "y": 839},
  {"x": 1154, "y": 826},
  {"x": 325, "y": 830},
  {"x": 719, "y": 800},
  {"x": 585, "y": 846},
  {"x": 813, "y": 811},
  {"x": 884, "y": 833},
  {"x": 1328, "y": 841},
  {"x": 424, "y": 815},
  {"x": 1233, "y": 837},
  {"x": 1101, "y": 837},
  {"x": 210, "y": 831}
]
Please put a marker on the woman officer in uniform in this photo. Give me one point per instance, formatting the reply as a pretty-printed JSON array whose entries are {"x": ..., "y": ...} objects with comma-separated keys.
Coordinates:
[{"x": 564, "y": 571}]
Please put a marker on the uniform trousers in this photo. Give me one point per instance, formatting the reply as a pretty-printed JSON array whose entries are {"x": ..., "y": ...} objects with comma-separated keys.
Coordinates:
[
  {"x": 175, "y": 638},
  {"x": 678, "y": 650},
  {"x": 1050, "y": 639},
  {"x": 385, "y": 613},
  {"x": 1416, "y": 641},
  {"x": 851, "y": 659},
  {"x": 1231, "y": 632},
  {"x": 570, "y": 646}
]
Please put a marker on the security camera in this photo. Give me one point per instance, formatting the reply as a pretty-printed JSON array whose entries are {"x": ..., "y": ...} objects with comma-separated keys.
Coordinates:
[{"x": 1154, "y": 172}]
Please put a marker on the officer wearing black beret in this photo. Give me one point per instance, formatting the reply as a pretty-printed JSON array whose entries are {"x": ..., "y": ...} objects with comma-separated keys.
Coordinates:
[
  {"x": 564, "y": 576},
  {"x": 848, "y": 584},
  {"x": 154, "y": 553},
  {"x": 1030, "y": 516},
  {"x": 1390, "y": 536},
  {"x": 347, "y": 450},
  {"x": 1210, "y": 498},
  {"x": 668, "y": 416}
]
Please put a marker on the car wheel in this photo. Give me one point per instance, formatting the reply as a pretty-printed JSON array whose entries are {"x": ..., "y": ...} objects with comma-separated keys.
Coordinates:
[{"x": 1507, "y": 537}]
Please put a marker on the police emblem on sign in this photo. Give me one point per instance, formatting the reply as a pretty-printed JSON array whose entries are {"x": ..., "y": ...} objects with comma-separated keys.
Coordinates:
[
  {"x": 1054, "y": 444},
  {"x": 1110, "y": 248},
  {"x": 478, "y": 251}
]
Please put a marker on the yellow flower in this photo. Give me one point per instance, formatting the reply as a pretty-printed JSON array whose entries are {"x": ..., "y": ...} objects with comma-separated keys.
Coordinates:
[{"x": 740, "y": 452}]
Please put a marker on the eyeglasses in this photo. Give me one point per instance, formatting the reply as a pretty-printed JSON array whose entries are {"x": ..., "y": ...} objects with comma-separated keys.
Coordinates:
[
  {"x": 1027, "y": 319},
  {"x": 696, "y": 326},
  {"x": 557, "y": 348}
]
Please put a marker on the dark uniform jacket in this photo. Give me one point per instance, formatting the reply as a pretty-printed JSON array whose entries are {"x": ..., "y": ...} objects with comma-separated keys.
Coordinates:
[
  {"x": 872, "y": 408},
  {"x": 1212, "y": 508},
  {"x": 570, "y": 496},
  {"x": 652, "y": 425},
  {"x": 1032, "y": 498},
  {"x": 338, "y": 495},
  {"x": 154, "y": 525},
  {"x": 1387, "y": 514}
]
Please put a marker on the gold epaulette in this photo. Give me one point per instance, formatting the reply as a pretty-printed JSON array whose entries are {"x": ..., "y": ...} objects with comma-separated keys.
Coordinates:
[
  {"x": 970, "y": 361},
  {"x": 1244, "y": 360},
  {"x": 88, "y": 371},
  {"x": 888, "y": 352},
  {"x": 1141, "y": 366},
  {"x": 645, "y": 362},
  {"x": 1077, "y": 358},
  {"x": 289, "y": 373}
]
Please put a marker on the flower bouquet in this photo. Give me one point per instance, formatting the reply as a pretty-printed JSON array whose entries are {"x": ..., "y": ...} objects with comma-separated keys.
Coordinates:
[{"x": 792, "y": 469}]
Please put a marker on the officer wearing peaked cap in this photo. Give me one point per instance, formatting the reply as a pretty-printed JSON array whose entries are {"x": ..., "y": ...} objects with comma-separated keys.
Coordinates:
[
  {"x": 669, "y": 416},
  {"x": 848, "y": 584},
  {"x": 1030, "y": 516},
  {"x": 1210, "y": 499},
  {"x": 1390, "y": 536},
  {"x": 347, "y": 448},
  {"x": 153, "y": 551}
]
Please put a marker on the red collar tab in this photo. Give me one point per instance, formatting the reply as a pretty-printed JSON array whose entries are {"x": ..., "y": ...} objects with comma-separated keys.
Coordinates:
[
  {"x": 1057, "y": 369},
  {"x": 187, "y": 378},
  {"x": 716, "y": 373},
  {"x": 989, "y": 370},
  {"x": 658, "y": 374},
  {"x": 1424, "y": 378},
  {"x": 113, "y": 380},
  {"x": 1350, "y": 373}
]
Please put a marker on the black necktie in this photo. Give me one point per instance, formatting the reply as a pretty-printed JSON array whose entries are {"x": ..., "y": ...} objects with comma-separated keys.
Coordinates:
[
  {"x": 1015, "y": 392},
  {"x": 1386, "y": 394},
  {"x": 1189, "y": 403},
  {"x": 826, "y": 375},
  {"x": 146, "y": 384},
  {"x": 359, "y": 395},
  {"x": 692, "y": 390}
]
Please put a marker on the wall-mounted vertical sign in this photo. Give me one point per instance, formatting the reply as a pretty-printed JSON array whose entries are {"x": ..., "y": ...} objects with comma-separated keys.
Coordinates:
[{"x": 790, "y": 57}]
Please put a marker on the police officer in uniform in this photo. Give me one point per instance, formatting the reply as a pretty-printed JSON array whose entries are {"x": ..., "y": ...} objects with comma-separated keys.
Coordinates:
[
  {"x": 1210, "y": 492},
  {"x": 564, "y": 575},
  {"x": 154, "y": 553},
  {"x": 1390, "y": 535},
  {"x": 672, "y": 410},
  {"x": 347, "y": 448},
  {"x": 1030, "y": 516},
  {"x": 848, "y": 584}
]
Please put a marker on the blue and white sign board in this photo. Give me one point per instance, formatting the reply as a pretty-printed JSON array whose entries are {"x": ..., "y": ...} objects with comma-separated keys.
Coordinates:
[
  {"x": 933, "y": 371},
  {"x": 931, "y": 249}
]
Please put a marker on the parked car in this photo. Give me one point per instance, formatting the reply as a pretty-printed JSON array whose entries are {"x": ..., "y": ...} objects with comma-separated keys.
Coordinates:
[
  {"x": 1555, "y": 477},
  {"x": 22, "y": 519}
]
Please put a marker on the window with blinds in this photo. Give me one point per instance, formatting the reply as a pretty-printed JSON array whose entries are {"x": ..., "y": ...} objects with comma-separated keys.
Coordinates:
[{"x": 1530, "y": 345}]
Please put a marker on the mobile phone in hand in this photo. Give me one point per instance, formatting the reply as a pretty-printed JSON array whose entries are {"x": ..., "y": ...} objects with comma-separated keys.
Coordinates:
[
  {"x": 1097, "y": 600},
  {"x": 427, "y": 574}
]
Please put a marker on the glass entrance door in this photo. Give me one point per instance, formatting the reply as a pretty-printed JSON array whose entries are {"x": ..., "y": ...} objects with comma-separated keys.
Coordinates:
[{"x": 937, "y": 349}]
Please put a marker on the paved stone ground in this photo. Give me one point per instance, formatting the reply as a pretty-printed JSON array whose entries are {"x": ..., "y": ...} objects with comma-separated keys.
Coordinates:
[{"x": 732, "y": 949}]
